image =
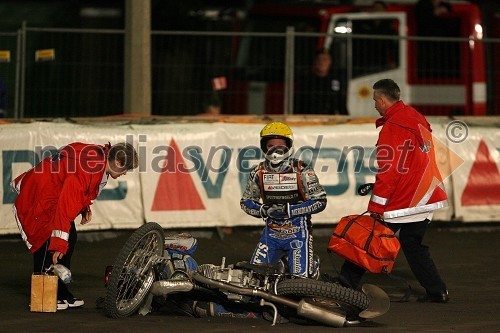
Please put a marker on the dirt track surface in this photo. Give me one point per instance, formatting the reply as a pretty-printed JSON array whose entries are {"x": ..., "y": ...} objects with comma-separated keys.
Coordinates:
[{"x": 467, "y": 258}]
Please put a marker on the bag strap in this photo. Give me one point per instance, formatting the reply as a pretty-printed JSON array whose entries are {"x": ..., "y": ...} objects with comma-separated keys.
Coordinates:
[
  {"x": 381, "y": 221},
  {"x": 372, "y": 232},
  {"x": 369, "y": 240},
  {"x": 45, "y": 256},
  {"x": 349, "y": 224}
]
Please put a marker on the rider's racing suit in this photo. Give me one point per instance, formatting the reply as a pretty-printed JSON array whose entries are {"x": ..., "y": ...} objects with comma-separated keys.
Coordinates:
[{"x": 297, "y": 187}]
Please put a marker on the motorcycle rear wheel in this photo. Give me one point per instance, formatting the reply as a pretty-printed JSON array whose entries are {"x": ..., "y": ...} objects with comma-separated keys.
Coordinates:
[
  {"x": 126, "y": 288},
  {"x": 327, "y": 295}
]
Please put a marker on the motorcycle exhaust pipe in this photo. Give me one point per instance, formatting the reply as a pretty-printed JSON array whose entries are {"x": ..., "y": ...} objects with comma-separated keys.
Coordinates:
[
  {"x": 303, "y": 308},
  {"x": 165, "y": 287},
  {"x": 320, "y": 315}
]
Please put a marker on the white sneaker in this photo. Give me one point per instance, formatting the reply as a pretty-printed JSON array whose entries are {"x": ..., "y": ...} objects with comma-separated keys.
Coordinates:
[
  {"x": 61, "y": 305},
  {"x": 69, "y": 303}
]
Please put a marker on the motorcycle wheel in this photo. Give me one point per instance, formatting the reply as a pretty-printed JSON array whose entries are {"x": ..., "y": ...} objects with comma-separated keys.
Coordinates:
[
  {"x": 127, "y": 289},
  {"x": 327, "y": 295}
]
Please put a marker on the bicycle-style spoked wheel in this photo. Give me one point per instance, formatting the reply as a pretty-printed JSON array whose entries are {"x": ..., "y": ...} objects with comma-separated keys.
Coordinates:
[{"x": 129, "y": 283}]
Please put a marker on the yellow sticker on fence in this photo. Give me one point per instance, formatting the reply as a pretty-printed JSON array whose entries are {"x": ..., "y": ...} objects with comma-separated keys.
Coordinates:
[
  {"x": 45, "y": 55},
  {"x": 364, "y": 92},
  {"x": 4, "y": 56}
]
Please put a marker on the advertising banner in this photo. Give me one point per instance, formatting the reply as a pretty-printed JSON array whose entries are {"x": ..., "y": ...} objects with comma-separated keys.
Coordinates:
[
  {"x": 194, "y": 174},
  {"x": 23, "y": 145},
  {"x": 476, "y": 182},
  {"x": 197, "y": 172}
]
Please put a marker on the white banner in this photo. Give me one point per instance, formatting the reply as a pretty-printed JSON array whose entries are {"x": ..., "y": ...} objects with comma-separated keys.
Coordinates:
[
  {"x": 476, "y": 182},
  {"x": 194, "y": 174},
  {"x": 217, "y": 158},
  {"x": 22, "y": 146}
]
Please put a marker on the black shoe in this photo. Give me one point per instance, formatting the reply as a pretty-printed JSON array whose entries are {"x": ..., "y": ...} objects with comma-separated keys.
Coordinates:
[{"x": 441, "y": 297}]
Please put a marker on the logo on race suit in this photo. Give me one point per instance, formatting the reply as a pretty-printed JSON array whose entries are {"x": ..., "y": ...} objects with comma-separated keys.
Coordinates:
[
  {"x": 283, "y": 231},
  {"x": 297, "y": 265},
  {"x": 288, "y": 178},
  {"x": 273, "y": 179},
  {"x": 297, "y": 245},
  {"x": 270, "y": 178},
  {"x": 312, "y": 186},
  {"x": 283, "y": 197},
  {"x": 260, "y": 253},
  {"x": 284, "y": 187},
  {"x": 281, "y": 235}
]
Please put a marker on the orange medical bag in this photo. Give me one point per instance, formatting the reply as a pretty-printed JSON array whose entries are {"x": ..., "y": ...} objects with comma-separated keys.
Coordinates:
[{"x": 365, "y": 241}]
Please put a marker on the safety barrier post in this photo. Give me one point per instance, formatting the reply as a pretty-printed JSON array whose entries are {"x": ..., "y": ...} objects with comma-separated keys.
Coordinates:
[{"x": 289, "y": 70}]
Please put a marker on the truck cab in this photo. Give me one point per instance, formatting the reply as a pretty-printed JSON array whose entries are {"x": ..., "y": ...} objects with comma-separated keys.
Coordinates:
[{"x": 442, "y": 74}]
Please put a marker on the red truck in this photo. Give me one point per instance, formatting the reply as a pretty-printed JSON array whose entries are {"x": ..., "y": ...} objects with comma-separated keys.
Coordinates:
[{"x": 444, "y": 75}]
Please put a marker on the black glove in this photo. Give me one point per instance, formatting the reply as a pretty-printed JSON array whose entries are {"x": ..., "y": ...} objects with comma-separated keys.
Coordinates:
[
  {"x": 365, "y": 189},
  {"x": 377, "y": 216},
  {"x": 276, "y": 211}
]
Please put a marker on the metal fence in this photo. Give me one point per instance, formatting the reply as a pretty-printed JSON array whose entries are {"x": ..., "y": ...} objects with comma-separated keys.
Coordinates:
[
  {"x": 9, "y": 73},
  {"x": 263, "y": 72}
]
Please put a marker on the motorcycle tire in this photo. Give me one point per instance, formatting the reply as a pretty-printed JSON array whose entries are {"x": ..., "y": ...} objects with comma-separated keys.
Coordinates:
[
  {"x": 126, "y": 289},
  {"x": 328, "y": 295}
]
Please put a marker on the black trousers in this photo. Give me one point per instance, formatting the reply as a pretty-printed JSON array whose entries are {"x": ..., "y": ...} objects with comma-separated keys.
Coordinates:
[
  {"x": 417, "y": 255},
  {"x": 42, "y": 259}
]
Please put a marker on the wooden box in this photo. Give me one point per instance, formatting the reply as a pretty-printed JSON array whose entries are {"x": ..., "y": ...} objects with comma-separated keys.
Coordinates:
[{"x": 43, "y": 292}]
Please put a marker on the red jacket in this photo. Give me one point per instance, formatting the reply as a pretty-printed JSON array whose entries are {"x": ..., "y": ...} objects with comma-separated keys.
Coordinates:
[
  {"x": 408, "y": 181},
  {"x": 55, "y": 192}
]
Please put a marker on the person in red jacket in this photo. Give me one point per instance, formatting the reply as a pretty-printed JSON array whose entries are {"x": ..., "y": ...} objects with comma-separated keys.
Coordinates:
[
  {"x": 408, "y": 187},
  {"x": 52, "y": 194}
]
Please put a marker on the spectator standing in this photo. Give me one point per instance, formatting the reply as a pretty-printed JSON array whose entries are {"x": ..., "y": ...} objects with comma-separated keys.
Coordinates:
[
  {"x": 429, "y": 15},
  {"x": 437, "y": 58},
  {"x": 374, "y": 55},
  {"x": 322, "y": 90}
]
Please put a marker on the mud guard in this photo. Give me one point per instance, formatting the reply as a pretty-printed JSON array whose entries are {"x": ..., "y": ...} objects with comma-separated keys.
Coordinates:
[{"x": 379, "y": 301}]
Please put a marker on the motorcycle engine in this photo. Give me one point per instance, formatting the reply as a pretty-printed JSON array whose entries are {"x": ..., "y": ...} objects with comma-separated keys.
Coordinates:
[{"x": 231, "y": 275}]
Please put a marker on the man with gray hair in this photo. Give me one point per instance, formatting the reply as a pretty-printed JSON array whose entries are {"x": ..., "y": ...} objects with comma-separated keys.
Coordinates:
[{"x": 408, "y": 187}]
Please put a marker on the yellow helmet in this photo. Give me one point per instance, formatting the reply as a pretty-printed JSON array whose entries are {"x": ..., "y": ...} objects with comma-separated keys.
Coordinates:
[{"x": 275, "y": 130}]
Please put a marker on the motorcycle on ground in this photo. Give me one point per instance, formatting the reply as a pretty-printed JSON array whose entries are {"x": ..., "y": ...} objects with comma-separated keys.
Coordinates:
[{"x": 151, "y": 268}]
